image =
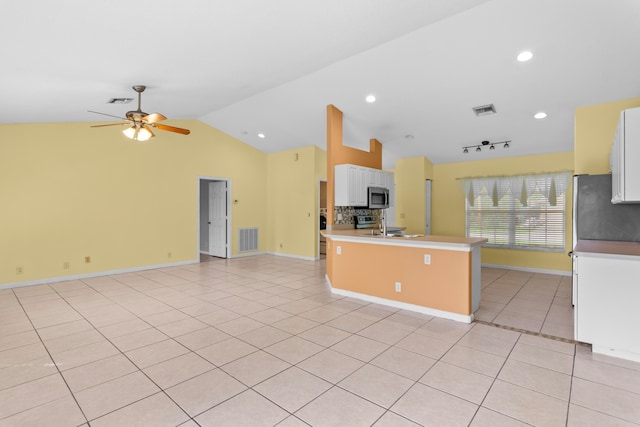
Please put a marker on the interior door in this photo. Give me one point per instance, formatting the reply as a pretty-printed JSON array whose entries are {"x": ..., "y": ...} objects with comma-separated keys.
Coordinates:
[
  {"x": 218, "y": 219},
  {"x": 427, "y": 211}
]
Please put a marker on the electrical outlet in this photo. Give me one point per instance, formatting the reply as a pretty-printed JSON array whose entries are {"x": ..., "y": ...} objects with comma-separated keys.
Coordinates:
[
  {"x": 402, "y": 215},
  {"x": 427, "y": 259},
  {"x": 19, "y": 269},
  {"x": 338, "y": 250},
  {"x": 87, "y": 259},
  {"x": 398, "y": 287},
  {"x": 339, "y": 217},
  {"x": 66, "y": 265},
  {"x": 281, "y": 245},
  {"x": 169, "y": 255}
]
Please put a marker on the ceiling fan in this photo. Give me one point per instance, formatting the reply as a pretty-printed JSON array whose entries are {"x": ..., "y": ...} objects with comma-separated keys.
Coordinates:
[{"x": 141, "y": 122}]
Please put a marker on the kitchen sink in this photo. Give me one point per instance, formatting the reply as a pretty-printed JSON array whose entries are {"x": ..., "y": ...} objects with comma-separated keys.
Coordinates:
[{"x": 377, "y": 233}]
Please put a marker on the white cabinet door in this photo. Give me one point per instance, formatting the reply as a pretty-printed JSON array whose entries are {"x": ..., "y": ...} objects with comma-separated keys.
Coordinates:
[
  {"x": 380, "y": 178},
  {"x": 371, "y": 177},
  {"x": 360, "y": 188},
  {"x": 391, "y": 185},
  {"x": 350, "y": 185},
  {"x": 607, "y": 304},
  {"x": 625, "y": 153}
]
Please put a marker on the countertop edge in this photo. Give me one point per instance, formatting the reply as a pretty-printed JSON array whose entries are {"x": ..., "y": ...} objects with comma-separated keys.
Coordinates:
[
  {"x": 431, "y": 241},
  {"x": 607, "y": 248}
]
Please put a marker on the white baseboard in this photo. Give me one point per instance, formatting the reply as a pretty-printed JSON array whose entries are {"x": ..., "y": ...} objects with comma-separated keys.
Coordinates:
[
  {"x": 621, "y": 354},
  {"x": 244, "y": 255},
  {"x": 275, "y": 254},
  {"x": 306, "y": 258},
  {"x": 530, "y": 270},
  {"x": 96, "y": 274}
]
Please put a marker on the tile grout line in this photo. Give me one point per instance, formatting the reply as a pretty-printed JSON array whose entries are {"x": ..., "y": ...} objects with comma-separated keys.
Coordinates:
[{"x": 50, "y": 357}]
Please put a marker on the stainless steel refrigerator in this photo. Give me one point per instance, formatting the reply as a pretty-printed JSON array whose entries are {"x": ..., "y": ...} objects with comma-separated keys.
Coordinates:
[{"x": 596, "y": 218}]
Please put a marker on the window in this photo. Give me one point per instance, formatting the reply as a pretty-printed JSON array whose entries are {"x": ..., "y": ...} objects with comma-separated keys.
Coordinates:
[{"x": 518, "y": 212}]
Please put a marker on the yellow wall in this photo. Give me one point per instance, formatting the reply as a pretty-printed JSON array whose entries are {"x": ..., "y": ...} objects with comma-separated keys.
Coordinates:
[
  {"x": 292, "y": 202},
  {"x": 70, "y": 191},
  {"x": 410, "y": 175},
  {"x": 448, "y": 205},
  {"x": 595, "y": 127}
]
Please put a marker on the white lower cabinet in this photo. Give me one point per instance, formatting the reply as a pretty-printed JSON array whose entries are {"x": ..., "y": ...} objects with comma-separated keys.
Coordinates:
[{"x": 607, "y": 290}]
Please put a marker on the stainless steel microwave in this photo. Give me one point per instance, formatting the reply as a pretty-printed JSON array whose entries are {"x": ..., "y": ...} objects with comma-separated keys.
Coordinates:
[{"x": 378, "y": 198}]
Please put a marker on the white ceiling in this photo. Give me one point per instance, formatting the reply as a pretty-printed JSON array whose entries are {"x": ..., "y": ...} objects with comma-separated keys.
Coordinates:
[{"x": 250, "y": 66}]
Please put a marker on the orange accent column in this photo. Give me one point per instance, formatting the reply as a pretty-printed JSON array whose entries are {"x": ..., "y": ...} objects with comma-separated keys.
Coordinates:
[{"x": 338, "y": 154}]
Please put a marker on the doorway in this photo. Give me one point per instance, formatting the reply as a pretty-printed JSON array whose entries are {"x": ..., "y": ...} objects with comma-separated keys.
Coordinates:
[
  {"x": 427, "y": 208},
  {"x": 322, "y": 220},
  {"x": 214, "y": 222}
]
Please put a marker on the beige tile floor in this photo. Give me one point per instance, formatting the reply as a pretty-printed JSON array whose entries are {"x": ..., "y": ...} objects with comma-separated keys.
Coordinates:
[{"x": 261, "y": 341}]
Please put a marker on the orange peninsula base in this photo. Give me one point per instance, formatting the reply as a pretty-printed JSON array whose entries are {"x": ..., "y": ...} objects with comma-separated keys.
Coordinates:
[{"x": 436, "y": 275}]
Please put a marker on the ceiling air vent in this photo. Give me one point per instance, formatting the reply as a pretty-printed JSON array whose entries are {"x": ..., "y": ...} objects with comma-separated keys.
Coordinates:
[
  {"x": 484, "y": 110},
  {"x": 119, "y": 100}
]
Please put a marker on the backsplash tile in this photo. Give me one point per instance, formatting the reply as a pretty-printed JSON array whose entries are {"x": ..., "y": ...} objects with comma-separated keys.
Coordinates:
[{"x": 349, "y": 213}]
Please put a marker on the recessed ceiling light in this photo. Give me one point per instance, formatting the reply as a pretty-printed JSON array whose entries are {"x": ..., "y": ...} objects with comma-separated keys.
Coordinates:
[
  {"x": 370, "y": 98},
  {"x": 540, "y": 115},
  {"x": 525, "y": 56},
  {"x": 261, "y": 135}
]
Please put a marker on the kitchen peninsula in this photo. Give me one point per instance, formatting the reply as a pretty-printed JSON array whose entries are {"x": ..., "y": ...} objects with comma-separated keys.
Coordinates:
[{"x": 436, "y": 275}]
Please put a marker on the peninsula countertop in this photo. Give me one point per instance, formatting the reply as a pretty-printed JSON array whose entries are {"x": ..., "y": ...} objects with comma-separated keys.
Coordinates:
[{"x": 411, "y": 240}]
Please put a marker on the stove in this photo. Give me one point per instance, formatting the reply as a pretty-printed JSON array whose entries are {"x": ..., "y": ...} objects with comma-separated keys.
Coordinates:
[{"x": 366, "y": 222}]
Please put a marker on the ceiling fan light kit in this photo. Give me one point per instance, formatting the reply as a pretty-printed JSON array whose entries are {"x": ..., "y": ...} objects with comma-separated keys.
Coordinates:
[
  {"x": 492, "y": 146},
  {"x": 141, "y": 122},
  {"x": 138, "y": 134}
]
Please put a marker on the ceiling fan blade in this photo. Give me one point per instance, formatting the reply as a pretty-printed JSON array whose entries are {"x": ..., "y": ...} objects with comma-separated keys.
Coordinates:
[
  {"x": 172, "y": 128},
  {"x": 153, "y": 118},
  {"x": 110, "y": 115},
  {"x": 110, "y": 124}
]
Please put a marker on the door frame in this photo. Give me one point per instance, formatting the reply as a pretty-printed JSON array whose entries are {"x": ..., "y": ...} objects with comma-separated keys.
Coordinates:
[
  {"x": 317, "y": 220},
  {"x": 428, "y": 197},
  {"x": 201, "y": 179}
]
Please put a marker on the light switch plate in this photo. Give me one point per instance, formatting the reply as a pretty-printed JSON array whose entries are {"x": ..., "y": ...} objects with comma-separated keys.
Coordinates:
[
  {"x": 427, "y": 259},
  {"x": 338, "y": 250}
]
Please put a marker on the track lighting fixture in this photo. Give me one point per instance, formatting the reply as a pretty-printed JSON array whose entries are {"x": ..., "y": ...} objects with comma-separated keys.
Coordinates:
[{"x": 492, "y": 146}]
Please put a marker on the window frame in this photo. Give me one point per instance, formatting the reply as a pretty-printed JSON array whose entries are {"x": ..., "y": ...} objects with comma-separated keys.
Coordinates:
[{"x": 500, "y": 204}]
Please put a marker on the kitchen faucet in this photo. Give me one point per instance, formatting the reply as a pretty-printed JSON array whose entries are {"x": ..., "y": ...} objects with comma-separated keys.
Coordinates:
[{"x": 383, "y": 223}]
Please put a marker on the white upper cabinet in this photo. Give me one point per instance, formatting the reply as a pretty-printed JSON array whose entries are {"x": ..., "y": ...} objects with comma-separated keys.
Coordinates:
[
  {"x": 350, "y": 185},
  {"x": 391, "y": 185},
  {"x": 352, "y": 181},
  {"x": 625, "y": 158}
]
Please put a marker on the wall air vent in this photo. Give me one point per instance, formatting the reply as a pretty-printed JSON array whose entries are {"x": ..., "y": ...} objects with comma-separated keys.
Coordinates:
[
  {"x": 119, "y": 100},
  {"x": 247, "y": 239},
  {"x": 484, "y": 110}
]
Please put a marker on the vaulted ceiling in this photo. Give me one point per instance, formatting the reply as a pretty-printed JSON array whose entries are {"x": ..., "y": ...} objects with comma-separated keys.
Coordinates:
[{"x": 271, "y": 67}]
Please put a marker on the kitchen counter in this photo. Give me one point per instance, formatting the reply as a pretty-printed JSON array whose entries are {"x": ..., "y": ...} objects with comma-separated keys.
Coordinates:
[
  {"x": 607, "y": 247},
  {"x": 442, "y": 242},
  {"x": 436, "y": 275}
]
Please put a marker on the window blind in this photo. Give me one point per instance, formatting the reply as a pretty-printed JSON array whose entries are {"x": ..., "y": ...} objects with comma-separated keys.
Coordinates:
[{"x": 518, "y": 212}]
